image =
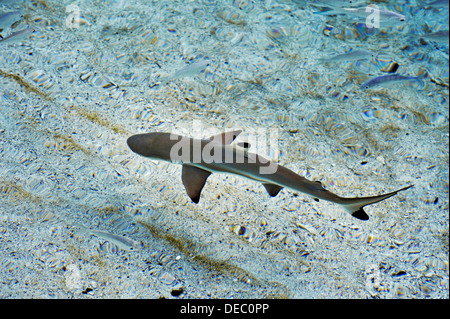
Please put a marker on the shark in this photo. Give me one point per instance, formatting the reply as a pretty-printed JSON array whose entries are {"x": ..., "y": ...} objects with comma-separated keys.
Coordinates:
[{"x": 202, "y": 157}]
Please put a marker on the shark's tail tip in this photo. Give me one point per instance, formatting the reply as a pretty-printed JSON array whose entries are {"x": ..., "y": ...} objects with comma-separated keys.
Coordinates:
[
  {"x": 405, "y": 188},
  {"x": 356, "y": 209}
]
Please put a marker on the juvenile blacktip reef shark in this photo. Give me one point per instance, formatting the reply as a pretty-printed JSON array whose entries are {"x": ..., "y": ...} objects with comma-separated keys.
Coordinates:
[{"x": 201, "y": 157}]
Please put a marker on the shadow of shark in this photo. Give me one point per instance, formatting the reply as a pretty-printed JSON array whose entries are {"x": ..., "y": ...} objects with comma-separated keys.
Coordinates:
[{"x": 202, "y": 157}]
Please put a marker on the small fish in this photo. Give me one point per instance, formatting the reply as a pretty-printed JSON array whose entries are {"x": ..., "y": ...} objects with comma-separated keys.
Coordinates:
[
  {"x": 353, "y": 55},
  {"x": 17, "y": 36},
  {"x": 439, "y": 36},
  {"x": 386, "y": 17},
  {"x": 388, "y": 79},
  {"x": 337, "y": 3},
  {"x": 2, "y": 2},
  {"x": 190, "y": 70},
  {"x": 7, "y": 19},
  {"x": 122, "y": 242},
  {"x": 438, "y": 4}
]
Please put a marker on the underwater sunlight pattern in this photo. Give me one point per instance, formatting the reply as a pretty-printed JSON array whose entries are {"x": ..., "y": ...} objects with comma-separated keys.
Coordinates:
[{"x": 355, "y": 96}]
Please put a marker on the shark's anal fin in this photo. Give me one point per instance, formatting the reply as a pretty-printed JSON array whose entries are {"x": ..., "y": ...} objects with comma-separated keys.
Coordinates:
[
  {"x": 194, "y": 179},
  {"x": 273, "y": 189}
]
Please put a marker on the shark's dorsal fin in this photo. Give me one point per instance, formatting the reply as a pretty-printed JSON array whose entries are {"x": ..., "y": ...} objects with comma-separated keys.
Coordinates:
[
  {"x": 194, "y": 179},
  {"x": 245, "y": 145},
  {"x": 225, "y": 138},
  {"x": 273, "y": 189}
]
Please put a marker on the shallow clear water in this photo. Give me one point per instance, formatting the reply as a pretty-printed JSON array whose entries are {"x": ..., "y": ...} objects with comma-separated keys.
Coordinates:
[{"x": 95, "y": 72}]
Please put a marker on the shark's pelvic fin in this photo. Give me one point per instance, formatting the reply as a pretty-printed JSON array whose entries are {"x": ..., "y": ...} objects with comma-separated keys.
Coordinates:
[
  {"x": 272, "y": 189},
  {"x": 225, "y": 138},
  {"x": 194, "y": 179}
]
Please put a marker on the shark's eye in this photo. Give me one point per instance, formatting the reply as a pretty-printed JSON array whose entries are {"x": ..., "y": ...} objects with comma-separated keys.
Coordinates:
[{"x": 402, "y": 19}]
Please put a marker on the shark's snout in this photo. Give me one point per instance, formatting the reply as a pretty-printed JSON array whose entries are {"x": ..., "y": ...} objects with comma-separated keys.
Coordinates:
[
  {"x": 144, "y": 144},
  {"x": 135, "y": 143}
]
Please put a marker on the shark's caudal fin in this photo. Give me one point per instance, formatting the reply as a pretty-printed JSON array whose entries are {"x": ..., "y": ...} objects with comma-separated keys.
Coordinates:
[
  {"x": 194, "y": 178},
  {"x": 354, "y": 206}
]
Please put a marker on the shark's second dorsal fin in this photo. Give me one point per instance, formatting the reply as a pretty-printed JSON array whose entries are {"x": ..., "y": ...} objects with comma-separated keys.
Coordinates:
[
  {"x": 273, "y": 189},
  {"x": 244, "y": 145},
  {"x": 194, "y": 179},
  {"x": 225, "y": 138}
]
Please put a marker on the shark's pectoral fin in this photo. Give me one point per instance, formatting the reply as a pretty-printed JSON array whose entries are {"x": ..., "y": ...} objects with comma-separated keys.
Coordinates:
[
  {"x": 194, "y": 179},
  {"x": 273, "y": 189},
  {"x": 225, "y": 138}
]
